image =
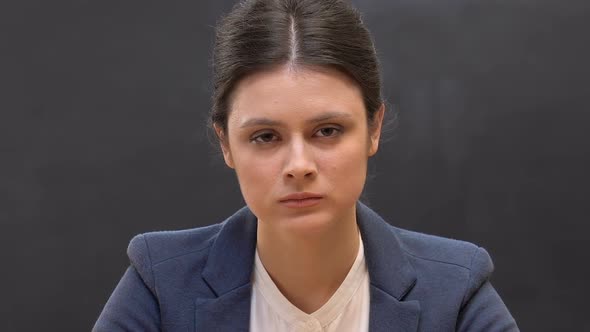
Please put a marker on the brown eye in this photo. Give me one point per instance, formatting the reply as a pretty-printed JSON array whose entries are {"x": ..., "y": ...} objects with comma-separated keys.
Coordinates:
[
  {"x": 263, "y": 138},
  {"x": 329, "y": 131}
]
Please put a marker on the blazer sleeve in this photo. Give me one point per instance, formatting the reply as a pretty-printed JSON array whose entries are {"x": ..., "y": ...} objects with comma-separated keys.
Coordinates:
[
  {"x": 133, "y": 305},
  {"x": 482, "y": 308}
]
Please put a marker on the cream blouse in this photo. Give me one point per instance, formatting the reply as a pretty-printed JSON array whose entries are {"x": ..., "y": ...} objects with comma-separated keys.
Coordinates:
[{"x": 347, "y": 310}]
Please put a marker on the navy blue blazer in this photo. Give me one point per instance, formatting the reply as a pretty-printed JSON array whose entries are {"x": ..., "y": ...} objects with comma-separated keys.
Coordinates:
[{"x": 199, "y": 280}]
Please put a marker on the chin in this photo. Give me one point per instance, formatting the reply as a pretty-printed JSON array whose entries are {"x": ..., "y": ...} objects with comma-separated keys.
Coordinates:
[{"x": 315, "y": 221}]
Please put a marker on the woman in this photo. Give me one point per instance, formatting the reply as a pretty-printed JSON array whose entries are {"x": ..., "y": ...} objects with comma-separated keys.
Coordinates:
[{"x": 298, "y": 112}]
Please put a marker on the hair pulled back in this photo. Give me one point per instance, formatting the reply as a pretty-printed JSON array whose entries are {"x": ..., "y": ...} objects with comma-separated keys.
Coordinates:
[{"x": 261, "y": 34}]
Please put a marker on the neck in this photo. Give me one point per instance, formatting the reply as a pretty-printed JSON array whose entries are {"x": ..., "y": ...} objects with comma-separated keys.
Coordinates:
[{"x": 308, "y": 267}]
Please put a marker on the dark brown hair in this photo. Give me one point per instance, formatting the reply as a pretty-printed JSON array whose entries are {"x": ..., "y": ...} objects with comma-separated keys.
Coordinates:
[{"x": 261, "y": 34}]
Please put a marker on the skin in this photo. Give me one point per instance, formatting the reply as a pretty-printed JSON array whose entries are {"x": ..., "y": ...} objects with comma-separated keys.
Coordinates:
[{"x": 277, "y": 149}]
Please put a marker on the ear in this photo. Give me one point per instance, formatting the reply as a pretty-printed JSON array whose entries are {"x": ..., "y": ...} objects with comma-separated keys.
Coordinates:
[
  {"x": 224, "y": 142},
  {"x": 375, "y": 128}
]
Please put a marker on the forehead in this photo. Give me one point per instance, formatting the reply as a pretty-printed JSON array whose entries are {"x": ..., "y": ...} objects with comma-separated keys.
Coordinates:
[{"x": 295, "y": 93}]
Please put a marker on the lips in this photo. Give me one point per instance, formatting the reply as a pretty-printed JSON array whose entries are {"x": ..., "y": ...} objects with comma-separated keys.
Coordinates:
[{"x": 301, "y": 200}]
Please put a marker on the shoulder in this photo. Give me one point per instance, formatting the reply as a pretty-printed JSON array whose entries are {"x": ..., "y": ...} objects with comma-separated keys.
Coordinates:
[
  {"x": 149, "y": 249},
  {"x": 443, "y": 259},
  {"x": 163, "y": 245},
  {"x": 453, "y": 283},
  {"x": 443, "y": 250}
]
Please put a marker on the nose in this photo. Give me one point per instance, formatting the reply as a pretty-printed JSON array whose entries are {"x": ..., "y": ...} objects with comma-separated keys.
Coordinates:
[{"x": 300, "y": 163}]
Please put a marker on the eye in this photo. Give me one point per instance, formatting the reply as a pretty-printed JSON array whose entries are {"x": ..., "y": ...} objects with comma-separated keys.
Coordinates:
[
  {"x": 329, "y": 131},
  {"x": 263, "y": 138}
]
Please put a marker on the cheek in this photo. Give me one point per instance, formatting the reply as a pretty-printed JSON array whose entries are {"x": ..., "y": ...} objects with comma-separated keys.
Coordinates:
[
  {"x": 256, "y": 174},
  {"x": 346, "y": 168}
]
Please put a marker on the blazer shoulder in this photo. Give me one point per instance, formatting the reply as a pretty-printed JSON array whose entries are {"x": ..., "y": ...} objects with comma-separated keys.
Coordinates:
[
  {"x": 148, "y": 249},
  {"x": 446, "y": 251},
  {"x": 155, "y": 247},
  {"x": 438, "y": 252},
  {"x": 164, "y": 245}
]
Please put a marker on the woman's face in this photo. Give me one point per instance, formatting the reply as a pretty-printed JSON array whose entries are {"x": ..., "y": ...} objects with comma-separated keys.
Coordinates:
[{"x": 302, "y": 132}]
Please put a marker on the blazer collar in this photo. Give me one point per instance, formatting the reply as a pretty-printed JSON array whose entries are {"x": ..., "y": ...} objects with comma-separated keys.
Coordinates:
[
  {"x": 231, "y": 256},
  {"x": 229, "y": 267},
  {"x": 227, "y": 272},
  {"x": 391, "y": 274},
  {"x": 389, "y": 268}
]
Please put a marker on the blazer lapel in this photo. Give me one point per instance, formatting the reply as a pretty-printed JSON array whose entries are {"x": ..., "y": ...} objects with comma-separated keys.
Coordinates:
[
  {"x": 230, "y": 312},
  {"x": 228, "y": 273},
  {"x": 388, "y": 314},
  {"x": 391, "y": 274}
]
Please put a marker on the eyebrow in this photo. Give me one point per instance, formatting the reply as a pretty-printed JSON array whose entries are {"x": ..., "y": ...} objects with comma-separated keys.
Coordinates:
[{"x": 269, "y": 122}]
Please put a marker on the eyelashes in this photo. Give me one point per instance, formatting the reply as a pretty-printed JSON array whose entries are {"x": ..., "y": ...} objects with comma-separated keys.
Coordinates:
[
  {"x": 263, "y": 138},
  {"x": 267, "y": 137},
  {"x": 327, "y": 130}
]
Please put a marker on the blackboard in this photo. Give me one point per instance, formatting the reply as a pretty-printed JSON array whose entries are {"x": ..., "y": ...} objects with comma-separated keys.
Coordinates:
[{"x": 102, "y": 119}]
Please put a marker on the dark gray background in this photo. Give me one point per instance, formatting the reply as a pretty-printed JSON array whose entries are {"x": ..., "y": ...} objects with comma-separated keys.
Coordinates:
[{"x": 102, "y": 114}]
